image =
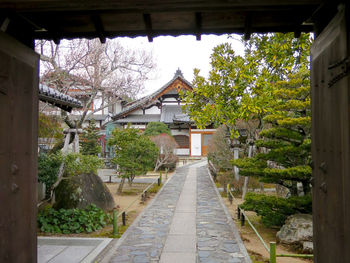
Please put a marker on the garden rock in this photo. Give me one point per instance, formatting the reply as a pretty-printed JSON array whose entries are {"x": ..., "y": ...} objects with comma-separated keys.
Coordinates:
[
  {"x": 297, "y": 231},
  {"x": 308, "y": 247},
  {"x": 82, "y": 190}
]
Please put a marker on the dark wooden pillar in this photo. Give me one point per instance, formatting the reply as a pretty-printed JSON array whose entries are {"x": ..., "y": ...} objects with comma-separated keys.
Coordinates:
[
  {"x": 18, "y": 150},
  {"x": 331, "y": 141}
]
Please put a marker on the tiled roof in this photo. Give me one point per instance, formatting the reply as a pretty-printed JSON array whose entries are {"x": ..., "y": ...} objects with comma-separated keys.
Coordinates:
[
  {"x": 173, "y": 113},
  {"x": 96, "y": 117},
  {"x": 57, "y": 98},
  {"x": 145, "y": 101},
  {"x": 139, "y": 118}
]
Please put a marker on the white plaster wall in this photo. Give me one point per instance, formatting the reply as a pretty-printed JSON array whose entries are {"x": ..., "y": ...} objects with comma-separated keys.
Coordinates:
[
  {"x": 204, "y": 130},
  {"x": 182, "y": 151},
  {"x": 182, "y": 132},
  {"x": 153, "y": 110},
  {"x": 137, "y": 112},
  {"x": 169, "y": 99},
  {"x": 136, "y": 126},
  {"x": 117, "y": 107}
]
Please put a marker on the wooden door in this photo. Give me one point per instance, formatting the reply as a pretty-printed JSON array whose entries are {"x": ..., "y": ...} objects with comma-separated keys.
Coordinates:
[
  {"x": 18, "y": 151},
  {"x": 206, "y": 137},
  {"x": 331, "y": 142}
]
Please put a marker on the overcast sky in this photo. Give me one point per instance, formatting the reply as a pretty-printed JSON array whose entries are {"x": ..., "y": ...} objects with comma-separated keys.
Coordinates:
[{"x": 183, "y": 52}]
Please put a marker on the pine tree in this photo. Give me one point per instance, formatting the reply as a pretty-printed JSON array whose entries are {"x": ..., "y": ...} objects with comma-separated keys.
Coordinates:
[
  {"x": 286, "y": 144},
  {"x": 89, "y": 140}
]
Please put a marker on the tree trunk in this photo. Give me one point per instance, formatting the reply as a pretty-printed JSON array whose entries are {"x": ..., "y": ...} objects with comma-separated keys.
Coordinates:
[
  {"x": 246, "y": 178},
  {"x": 121, "y": 185},
  {"x": 245, "y": 186},
  {"x": 235, "y": 157},
  {"x": 294, "y": 189},
  {"x": 306, "y": 187}
]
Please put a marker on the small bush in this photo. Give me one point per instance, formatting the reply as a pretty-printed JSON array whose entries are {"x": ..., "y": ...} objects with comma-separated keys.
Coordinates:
[
  {"x": 76, "y": 164},
  {"x": 275, "y": 210},
  {"x": 69, "y": 221},
  {"x": 48, "y": 166}
]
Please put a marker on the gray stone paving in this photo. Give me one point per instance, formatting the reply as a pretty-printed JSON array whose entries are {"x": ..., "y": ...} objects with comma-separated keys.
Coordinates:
[
  {"x": 186, "y": 223},
  {"x": 217, "y": 237},
  {"x": 145, "y": 239},
  {"x": 70, "y": 249}
]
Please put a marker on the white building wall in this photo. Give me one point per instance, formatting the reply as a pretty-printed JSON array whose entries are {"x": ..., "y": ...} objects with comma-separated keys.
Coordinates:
[
  {"x": 182, "y": 151},
  {"x": 137, "y": 112},
  {"x": 153, "y": 110},
  {"x": 135, "y": 126},
  {"x": 181, "y": 132}
]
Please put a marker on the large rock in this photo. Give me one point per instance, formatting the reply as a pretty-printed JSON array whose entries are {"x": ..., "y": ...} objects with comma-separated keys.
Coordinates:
[
  {"x": 297, "y": 231},
  {"x": 81, "y": 191}
]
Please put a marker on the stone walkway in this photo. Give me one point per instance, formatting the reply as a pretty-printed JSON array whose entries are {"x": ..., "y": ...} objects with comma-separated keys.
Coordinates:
[{"x": 187, "y": 222}]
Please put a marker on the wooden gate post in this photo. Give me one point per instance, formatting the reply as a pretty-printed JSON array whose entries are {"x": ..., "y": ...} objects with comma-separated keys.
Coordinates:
[
  {"x": 19, "y": 75},
  {"x": 330, "y": 87}
]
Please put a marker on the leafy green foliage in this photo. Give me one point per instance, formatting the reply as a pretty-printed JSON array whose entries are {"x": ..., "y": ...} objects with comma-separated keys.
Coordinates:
[
  {"x": 135, "y": 153},
  {"x": 89, "y": 140},
  {"x": 76, "y": 164},
  {"x": 48, "y": 166},
  {"x": 270, "y": 86},
  {"x": 275, "y": 210},
  {"x": 68, "y": 221},
  {"x": 50, "y": 127},
  {"x": 156, "y": 128}
]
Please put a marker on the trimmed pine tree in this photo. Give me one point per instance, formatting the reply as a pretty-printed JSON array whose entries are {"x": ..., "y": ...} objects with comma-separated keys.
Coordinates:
[
  {"x": 285, "y": 144},
  {"x": 89, "y": 140}
]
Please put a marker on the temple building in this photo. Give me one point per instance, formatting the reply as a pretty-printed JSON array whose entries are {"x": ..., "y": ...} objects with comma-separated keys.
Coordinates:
[{"x": 165, "y": 105}]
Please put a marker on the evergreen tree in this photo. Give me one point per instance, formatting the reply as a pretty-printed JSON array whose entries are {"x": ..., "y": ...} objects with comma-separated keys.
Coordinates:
[
  {"x": 135, "y": 153},
  {"x": 286, "y": 143},
  {"x": 89, "y": 140},
  {"x": 156, "y": 128}
]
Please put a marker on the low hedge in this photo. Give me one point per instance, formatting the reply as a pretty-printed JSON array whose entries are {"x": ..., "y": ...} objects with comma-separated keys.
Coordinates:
[{"x": 275, "y": 210}]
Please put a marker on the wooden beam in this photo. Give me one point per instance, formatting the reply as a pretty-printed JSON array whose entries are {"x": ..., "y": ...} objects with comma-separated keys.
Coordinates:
[
  {"x": 148, "y": 24},
  {"x": 198, "y": 25},
  {"x": 247, "y": 27},
  {"x": 96, "y": 20}
]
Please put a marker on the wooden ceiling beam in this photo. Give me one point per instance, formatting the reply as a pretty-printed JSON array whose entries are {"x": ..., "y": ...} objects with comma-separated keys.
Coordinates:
[
  {"x": 148, "y": 24},
  {"x": 149, "y": 5},
  {"x": 247, "y": 27},
  {"x": 96, "y": 20},
  {"x": 198, "y": 25}
]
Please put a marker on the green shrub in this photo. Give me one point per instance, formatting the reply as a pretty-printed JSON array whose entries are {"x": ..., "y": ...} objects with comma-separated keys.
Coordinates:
[
  {"x": 68, "y": 221},
  {"x": 156, "y": 128},
  {"x": 275, "y": 210},
  {"x": 48, "y": 166},
  {"x": 76, "y": 164}
]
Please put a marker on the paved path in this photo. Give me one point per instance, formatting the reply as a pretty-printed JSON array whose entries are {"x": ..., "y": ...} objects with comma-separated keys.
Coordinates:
[
  {"x": 70, "y": 249},
  {"x": 186, "y": 223}
]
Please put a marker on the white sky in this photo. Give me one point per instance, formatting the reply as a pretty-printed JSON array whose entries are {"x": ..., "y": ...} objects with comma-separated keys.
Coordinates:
[{"x": 183, "y": 52}]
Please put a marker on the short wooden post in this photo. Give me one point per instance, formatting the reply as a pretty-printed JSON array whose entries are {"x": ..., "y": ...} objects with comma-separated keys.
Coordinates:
[
  {"x": 238, "y": 213},
  {"x": 242, "y": 219},
  {"x": 272, "y": 252},
  {"x": 115, "y": 224},
  {"x": 124, "y": 218},
  {"x": 158, "y": 181}
]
